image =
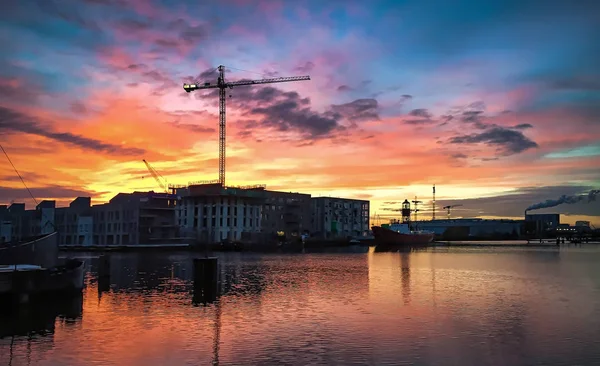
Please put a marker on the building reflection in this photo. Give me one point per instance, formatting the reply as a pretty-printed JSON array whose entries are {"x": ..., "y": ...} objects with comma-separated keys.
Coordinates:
[{"x": 390, "y": 275}]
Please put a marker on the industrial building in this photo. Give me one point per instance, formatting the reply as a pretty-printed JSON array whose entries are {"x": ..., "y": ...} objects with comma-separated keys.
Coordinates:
[
  {"x": 541, "y": 223},
  {"x": 339, "y": 217},
  {"x": 473, "y": 228}
]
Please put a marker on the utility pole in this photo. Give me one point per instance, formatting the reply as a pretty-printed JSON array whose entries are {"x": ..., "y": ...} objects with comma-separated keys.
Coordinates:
[{"x": 222, "y": 85}]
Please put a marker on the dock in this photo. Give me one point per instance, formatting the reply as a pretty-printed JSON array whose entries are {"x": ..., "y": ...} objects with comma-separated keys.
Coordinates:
[{"x": 544, "y": 243}]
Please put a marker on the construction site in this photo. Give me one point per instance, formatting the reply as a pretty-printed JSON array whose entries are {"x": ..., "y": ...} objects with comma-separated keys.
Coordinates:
[{"x": 199, "y": 212}]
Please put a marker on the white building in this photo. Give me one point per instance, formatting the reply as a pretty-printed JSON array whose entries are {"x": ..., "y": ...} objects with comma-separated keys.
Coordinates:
[{"x": 211, "y": 213}]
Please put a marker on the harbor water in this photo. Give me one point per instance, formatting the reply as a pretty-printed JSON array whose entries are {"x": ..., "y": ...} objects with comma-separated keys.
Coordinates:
[{"x": 444, "y": 306}]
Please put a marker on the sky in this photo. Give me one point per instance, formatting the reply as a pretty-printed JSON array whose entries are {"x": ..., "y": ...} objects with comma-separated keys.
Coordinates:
[{"x": 497, "y": 103}]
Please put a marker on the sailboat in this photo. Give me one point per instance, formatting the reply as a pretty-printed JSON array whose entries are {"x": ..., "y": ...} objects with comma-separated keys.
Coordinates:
[{"x": 31, "y": 267}]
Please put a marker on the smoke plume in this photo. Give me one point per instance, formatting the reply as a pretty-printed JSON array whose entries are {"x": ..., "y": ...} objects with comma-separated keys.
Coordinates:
[{"x": 565, "y": 199}]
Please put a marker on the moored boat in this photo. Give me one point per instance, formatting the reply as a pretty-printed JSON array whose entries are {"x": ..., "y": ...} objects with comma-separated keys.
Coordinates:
[
  {"x": 31, "y": 268},
  {"x": 400, "y": 235}
]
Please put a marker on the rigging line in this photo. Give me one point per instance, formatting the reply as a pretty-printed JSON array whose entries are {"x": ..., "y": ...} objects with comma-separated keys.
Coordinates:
[
  {"x": 18, "y": 174},
  {"x": 28, "y": 190}
]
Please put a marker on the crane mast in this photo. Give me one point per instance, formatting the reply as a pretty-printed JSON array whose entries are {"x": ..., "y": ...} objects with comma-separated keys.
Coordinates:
[{"x": 222, "y": 86}]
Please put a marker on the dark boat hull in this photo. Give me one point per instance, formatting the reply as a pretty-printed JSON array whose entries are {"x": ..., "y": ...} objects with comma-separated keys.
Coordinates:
[
  {"x": 66, "y": 278},
  {"x": 388, "y": 238}
]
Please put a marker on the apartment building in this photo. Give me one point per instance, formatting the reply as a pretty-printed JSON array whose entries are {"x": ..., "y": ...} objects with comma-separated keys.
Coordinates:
[
  {"x": 339, "y": 217},
  {"x": 136, "y": 218},
  {"x": 286, "y": 215}
]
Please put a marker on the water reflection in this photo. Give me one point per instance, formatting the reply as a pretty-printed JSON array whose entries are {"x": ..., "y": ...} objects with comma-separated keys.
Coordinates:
[
  {"x": 39, "y": 318},
  {"x": 463, "y": 307},
  {"x": 21, "y": 326}
]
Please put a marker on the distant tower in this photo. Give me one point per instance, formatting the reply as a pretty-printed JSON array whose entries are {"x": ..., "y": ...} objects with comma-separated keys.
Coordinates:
[
  {"x": 433, "y": 216},
  {"x": 405, "y": 212},
  {"x": 416, "y": 210}
]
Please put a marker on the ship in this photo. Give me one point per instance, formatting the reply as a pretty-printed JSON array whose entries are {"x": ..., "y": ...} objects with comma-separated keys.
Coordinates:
[{"x": 399, "y": 235}]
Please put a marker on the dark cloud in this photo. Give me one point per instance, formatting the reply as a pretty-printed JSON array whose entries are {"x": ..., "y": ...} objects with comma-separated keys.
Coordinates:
[
  {"x": 206, "y": 76},
  {"x": 507, "y": 141},
  {"x": 191, "y": 127},
  {"x": 459, "y": 156},
  {"x": 420, "y": 113},
  {"x": 306, "y": 68},
  {"x": 522, "y": 126},
  {"x": 289, "y": 114},
  {"x": 515, "y": 203},
  {"x": 21, "y": 194},
  {"x": 358, "y": 110},
  {"x": 287, "y": 111},
  {"x": 405, "y": 97},
  {"x": 344, "y": 88},
  {"x": 423, "y": 117},
  {"x": 476, "y": 118},
  {"x": 12, "y": 121},
  {"x": 418, "y": 122},
  {"x": 283, "y": 111},
  {"x": 28, "y": 177},
  {"x": 473, "y": 114}
]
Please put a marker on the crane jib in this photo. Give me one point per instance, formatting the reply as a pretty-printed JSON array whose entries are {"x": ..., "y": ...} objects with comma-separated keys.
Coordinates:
[{"x": 191, "y": 87}]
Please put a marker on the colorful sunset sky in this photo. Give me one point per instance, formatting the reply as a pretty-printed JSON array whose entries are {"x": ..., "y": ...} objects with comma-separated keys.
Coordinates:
[{"x": 497, "y": 103}]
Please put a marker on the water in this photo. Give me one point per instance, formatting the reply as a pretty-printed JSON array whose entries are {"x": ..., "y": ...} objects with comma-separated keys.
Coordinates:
[{"x": 440, "y": 307}]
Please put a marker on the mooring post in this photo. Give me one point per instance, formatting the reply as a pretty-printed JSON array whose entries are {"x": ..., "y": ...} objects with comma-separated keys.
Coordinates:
[
  {"x": 104, "y": 273},
  {"x": 206, "y": 279}
]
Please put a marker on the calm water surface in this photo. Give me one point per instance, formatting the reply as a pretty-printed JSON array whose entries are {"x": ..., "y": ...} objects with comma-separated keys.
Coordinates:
[{"x": 440, "y": 307}]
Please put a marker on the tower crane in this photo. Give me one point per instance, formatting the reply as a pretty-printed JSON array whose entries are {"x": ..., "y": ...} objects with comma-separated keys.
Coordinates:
[
  {"x": 450, "y": 207},
  {"x": 222, "y": 86},
  {"x": 156, "y": 175}
]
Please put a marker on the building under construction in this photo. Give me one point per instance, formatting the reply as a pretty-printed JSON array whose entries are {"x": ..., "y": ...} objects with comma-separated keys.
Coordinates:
[{"x": 211, "y": 213}]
